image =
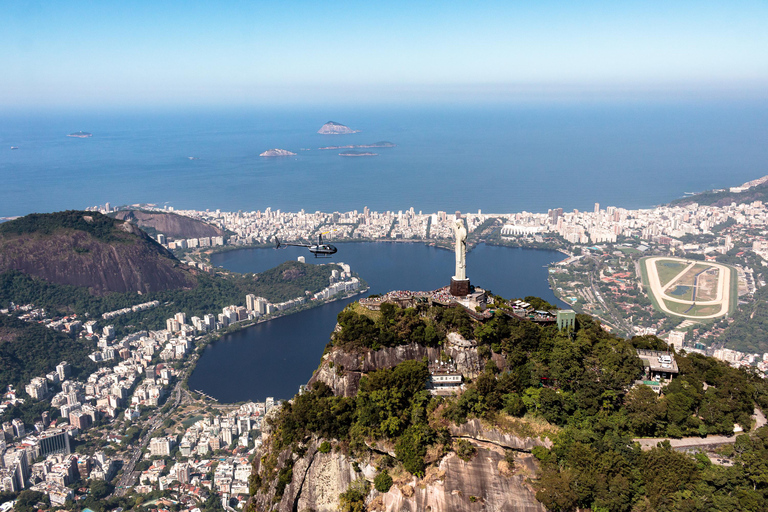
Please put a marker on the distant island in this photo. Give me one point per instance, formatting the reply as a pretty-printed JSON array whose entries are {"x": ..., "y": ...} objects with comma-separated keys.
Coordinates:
[
  {"x": 277, "y": 152},
  {"x": 382, "y": 144},
  {"x": 80, "y": 135},
  {"x": 358, "y": 153},
  {"x": 333, "y": 128}
]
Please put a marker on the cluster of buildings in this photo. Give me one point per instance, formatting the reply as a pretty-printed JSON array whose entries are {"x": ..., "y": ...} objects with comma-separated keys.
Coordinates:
[
  {"x": 19, "y": 451},
  {"x": 190, "y": 243},
  {"x": 136, "y": 373},
  {"x": 254, "y": 308},
  {"x": 130, "y": 379},
  {"x": 261, "y": 227},
  {"x": 735, "y": 358},
  {"x": 30, "y": 313},
  {"x": 212, "y": 455}
]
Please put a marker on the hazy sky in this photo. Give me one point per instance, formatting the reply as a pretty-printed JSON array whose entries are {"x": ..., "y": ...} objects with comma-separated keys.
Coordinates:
[{"x": 71, "y": 53}]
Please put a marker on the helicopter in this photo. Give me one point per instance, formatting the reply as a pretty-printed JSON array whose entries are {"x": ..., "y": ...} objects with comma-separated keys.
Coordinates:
[{"x": 320, "y": 250}]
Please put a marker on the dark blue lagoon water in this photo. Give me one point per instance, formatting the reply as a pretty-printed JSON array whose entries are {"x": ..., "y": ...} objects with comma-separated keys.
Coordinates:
[
  {"x": 273, "y": 358},
  {"x": 498, "y": 159}
]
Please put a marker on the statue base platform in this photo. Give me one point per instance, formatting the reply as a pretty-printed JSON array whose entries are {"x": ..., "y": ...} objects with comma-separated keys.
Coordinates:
[{"x": 459, "y": 287}]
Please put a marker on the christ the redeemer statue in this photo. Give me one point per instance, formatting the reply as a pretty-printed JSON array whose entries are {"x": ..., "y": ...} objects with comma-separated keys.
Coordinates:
[
  {"x": 461, "y": 250},
  {"x": 459, "y": 282}
]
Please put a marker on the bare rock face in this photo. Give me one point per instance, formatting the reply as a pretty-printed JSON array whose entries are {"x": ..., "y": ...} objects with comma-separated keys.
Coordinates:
[
  {"x": 329, "y": 475},
  {"x": 473, "y": 429},
  {"x": 455, "y": 339},
  {"x": 333, "y": 128},
  {"x": 479, "y": 484},
  {"x": 486, "y": 482},
  {"x": 170, "y": 224},
  {"x": 342, "y": 371},
  {"x": 318, "y": 479}
]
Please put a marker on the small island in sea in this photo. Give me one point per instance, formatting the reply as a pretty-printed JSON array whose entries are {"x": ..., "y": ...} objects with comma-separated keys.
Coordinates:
[
  {"x": 358, "y": 153},
  {"x": 80, "y": 135},
  {"x": 277, "y": 152},
  {"x": 334, "y": 128},
  {"x": 382, "y": 144}
]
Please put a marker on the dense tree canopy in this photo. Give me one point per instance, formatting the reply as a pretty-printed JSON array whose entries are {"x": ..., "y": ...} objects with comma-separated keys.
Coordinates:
[{"x": 584, "y": 381}]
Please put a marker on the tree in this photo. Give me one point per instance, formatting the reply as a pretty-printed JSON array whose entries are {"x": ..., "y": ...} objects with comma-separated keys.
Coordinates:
[
  {"x": 642, "y": 406},
  {"x": 555, "y": 490},
  {"x": 353, "y": 499},
  {"x": 100, "y": 489},
  {"x": 411, "y": 448},
  {"x": 383, "y": 481},
  {"x": 27, "y": 501},
  {"x": 465, "y": 450}
]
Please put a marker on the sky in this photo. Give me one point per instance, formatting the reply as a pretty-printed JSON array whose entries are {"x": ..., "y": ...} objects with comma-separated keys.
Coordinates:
[{"x": 109, "y": 53}]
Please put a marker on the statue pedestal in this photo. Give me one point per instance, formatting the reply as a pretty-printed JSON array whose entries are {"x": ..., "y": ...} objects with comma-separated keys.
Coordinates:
[{"x": 459, "y": 287}]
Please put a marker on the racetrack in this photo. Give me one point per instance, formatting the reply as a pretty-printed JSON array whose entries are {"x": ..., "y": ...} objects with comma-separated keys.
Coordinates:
[{"x": 688, "y": 277}]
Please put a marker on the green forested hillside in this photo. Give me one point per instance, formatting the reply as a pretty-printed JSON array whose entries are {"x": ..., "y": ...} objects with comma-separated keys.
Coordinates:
[
  {"x": 97, "y": 225},
  {"x": 580, "y": 382},
  {"x": 31, "y": 350},
  {"x": 726, "y": 197},
  {"x": 213, "y": 292}
]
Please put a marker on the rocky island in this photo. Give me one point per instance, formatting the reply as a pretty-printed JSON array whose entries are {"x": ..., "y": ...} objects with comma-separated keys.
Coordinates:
[
  {"x": 80, "y": 135},
  {"x": 277, "y": 152},
  {"x": 382, "y": 144},
  {"x": 333, "y": 128},
  {"x": 358, "y": 153}
]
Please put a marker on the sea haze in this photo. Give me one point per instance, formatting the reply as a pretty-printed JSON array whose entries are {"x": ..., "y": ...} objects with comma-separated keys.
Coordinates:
[{"x": 502, "y": 159}]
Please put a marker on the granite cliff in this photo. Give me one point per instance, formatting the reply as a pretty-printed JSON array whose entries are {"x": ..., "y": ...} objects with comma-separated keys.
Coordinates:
[
  {"x": 90, "y": 250},
  {"x": 341, "y": 370},
  {"x": 386, "y": 425},
  {"x": 473, "y": 466},
  {"x": 485, "y": 482}
]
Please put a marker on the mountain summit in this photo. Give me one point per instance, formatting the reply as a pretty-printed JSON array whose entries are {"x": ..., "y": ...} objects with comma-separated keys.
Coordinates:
[{"x": 92, "y": 250}]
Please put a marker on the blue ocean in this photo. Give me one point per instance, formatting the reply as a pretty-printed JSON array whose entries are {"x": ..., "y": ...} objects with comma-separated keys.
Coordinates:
[{"x": 498, "y": 159}]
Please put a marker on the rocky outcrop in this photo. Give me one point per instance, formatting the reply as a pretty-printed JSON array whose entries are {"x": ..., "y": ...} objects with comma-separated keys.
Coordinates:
[
  {"x": 91, "y": 250},
  {"x": 317, "y": 480},
  {"x": 496, "y": 478},
  {"x": 485, "y": 482},
  {"x": 342, "y": 371},
  {"x": 170, "y": 224},
  {"x": 474, "y": 429},
  {"x": 277, "y": 152},
  {"x": 333, "y": 128}
]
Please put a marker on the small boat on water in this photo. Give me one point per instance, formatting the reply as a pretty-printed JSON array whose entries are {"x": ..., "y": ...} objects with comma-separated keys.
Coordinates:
[{"x": 14, "y": 147}]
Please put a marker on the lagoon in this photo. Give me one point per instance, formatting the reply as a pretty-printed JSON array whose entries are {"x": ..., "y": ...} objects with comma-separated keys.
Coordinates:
[{"x": 274, "y": 358}]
